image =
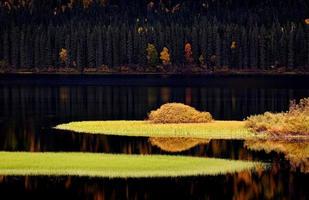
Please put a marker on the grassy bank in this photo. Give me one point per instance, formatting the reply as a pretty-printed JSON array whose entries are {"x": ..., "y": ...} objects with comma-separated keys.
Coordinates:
[
  {"x": 213, "y": 130},
  {"x": 113, "y": 166}
]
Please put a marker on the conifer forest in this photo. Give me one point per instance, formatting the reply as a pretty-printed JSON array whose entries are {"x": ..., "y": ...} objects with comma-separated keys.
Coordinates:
[{"x": 141, "y": 35}]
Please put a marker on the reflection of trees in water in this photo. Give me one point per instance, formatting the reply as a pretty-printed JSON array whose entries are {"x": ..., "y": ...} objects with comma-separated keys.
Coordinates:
[
  {"x": 81, "y": 102},
  {"x": 176, "y": 144},
  {"x": 296, "y": 152},
  {"x": 274, "y": 183}
]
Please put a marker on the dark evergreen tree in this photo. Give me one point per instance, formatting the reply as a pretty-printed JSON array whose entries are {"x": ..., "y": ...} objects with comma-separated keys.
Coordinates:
[
  {"x": 116, "y": 46},
  {"x": 99, "y": 47},
  {"x": 130, "y": 48},
  {"x": 37, "y": 53},
  {"x": 23, "y": 50},
  {"x": 15, "y": 42},
  {"x": 300, "y": 48},
  {"x": 123, "y": 44},
  {"x": 195, "y": 43},
  {"x": 109, "y": 47},
  {"x": 6, "y": 47},
  {"x": 91, "y": 51},
  {"x": 244, "y": 49},
  {"x": 262, "y": 48},
  {"x": 253, "y": 48}
]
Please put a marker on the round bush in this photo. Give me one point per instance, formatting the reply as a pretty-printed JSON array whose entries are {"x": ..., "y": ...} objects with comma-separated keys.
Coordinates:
[{"x": 178, "y": 113}]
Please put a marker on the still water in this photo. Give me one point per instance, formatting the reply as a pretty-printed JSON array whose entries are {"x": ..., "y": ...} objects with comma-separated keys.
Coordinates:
[{"x": 31, "y": 105}]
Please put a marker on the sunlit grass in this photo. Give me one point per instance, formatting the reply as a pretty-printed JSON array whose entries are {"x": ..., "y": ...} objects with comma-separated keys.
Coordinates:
[
  {"x": 115, "y": 165},
  {"x": 212, "y": 130}
]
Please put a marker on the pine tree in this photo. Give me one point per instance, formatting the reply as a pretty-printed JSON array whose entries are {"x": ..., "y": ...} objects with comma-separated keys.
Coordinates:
[
  {"x": 291, "y": 48},
  {"x": 22, "y": 50},
  {"x": 300, "y": 46},
  {"x": 262, "y": 48},
  {"x": 6, "y": 47},
  {"x": 210, "y": 42},
  {"x": 108, "y": 51},
  {"x": 142, "y": 50},
  {"x": 116, "y": 47},
  {"x": 48, "y": 50},
  {"x": 244, "y": 49},
  {"x": 130, "y": 48},
  {"x": 37, "y": 53},
  {"x": 91, "y": 51},
  {"x": 123, "y": 44},
  {"x": 42, "y": 51},
  {"x": 283, "y": 48},
  {"x": 15, "y": 39},
  {"x": 218, "y": 49},
  {"x": 195, "y": 43},
  {"x": 307, "y": 33},
  {"x": 99, "y": 47},
  {"x": 253, "y": 40}
]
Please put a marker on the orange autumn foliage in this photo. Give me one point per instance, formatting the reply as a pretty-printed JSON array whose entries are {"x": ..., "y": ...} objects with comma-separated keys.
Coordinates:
[
  {"x": 165, "y": 56},
  {"x": 188, "y": 53}
]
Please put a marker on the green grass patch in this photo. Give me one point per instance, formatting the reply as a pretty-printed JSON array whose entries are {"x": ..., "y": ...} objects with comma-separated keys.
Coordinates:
[
  {"x": 116, "y": 165},
  {"x": 212, "y": 130}
]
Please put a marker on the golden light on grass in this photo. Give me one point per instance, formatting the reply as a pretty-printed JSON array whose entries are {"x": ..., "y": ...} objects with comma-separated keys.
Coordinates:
[
  {"x": 115, "y": 165},
  {"x": 213, "y": 130}
]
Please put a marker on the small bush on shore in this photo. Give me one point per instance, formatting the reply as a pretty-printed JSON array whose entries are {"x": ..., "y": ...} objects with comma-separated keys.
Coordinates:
[
  {"x": 178, "y": 113},
  {"x": 293, "y": 122}
]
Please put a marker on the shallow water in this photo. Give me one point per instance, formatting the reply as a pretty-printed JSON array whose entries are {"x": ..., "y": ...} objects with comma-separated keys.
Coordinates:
[{"x": 30, "y": 107}]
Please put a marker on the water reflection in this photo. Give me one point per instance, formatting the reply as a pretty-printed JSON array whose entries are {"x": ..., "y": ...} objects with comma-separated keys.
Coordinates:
[
  {"x": 69, "y": 103},
  {"x": 176, "y": 144},
  {"x": 295, "y": 151},
  {"x": 275, "y": 183},
  {"x": 29, "y": 108}
]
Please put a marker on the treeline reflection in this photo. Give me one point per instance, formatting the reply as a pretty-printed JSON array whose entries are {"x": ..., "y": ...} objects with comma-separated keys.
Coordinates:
[{"x": 134, "y": 102}]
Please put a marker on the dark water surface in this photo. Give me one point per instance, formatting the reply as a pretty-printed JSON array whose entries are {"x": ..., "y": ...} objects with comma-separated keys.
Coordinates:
[{"x": 31, "y": 105}]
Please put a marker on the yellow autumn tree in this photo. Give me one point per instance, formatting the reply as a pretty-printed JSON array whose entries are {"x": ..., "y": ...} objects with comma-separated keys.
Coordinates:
[
  {"x": 63, "y": 55},
  {"x": 165, "y": 56},
  {"x": 188, "y": 53},
  {"x": 233, "y": 45}
]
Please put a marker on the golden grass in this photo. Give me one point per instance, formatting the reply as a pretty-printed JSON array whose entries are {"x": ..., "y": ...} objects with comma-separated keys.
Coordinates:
[
  {"x": 175, "y": 144},
  {"x": 116, "y": 166},
  {"x": 178, "y": 113},
  {"x": 293, "y": 122},
  {"x": 213, "y": 130}
]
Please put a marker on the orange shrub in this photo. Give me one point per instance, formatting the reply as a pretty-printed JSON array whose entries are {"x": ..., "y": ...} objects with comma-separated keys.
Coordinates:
[{"x": 178, "y": 113}]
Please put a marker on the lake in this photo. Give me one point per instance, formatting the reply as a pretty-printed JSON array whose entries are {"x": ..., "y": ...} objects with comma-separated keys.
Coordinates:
[{"x": 30, "y": 105}]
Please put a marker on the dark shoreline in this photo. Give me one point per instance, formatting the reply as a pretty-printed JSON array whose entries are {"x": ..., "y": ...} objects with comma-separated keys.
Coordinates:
[{"x": 222, "y": 80}]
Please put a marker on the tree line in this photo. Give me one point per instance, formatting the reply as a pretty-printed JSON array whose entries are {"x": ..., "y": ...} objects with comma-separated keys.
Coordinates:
[{"x": 69, "y": 40}]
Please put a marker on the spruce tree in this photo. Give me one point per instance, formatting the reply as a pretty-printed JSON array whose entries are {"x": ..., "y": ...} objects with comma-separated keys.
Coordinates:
[
  {"x": 108, "y": 51},
  {"x": 116, "y": 46},
  {"x": 253, "y": 40},
  {"x": 195, "y": 43},
  {"x": 99, "y": 47},
  {"x": 6, "y": 47},
  {"x": 22, "y": 49},
  {"x": 291, "y": 48},
  {"x": 245, "y": 49},
  {"x": 123, "y": 44},
  {"x": 262, "y": 48},
  {"x": 130, "y": 48}
]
